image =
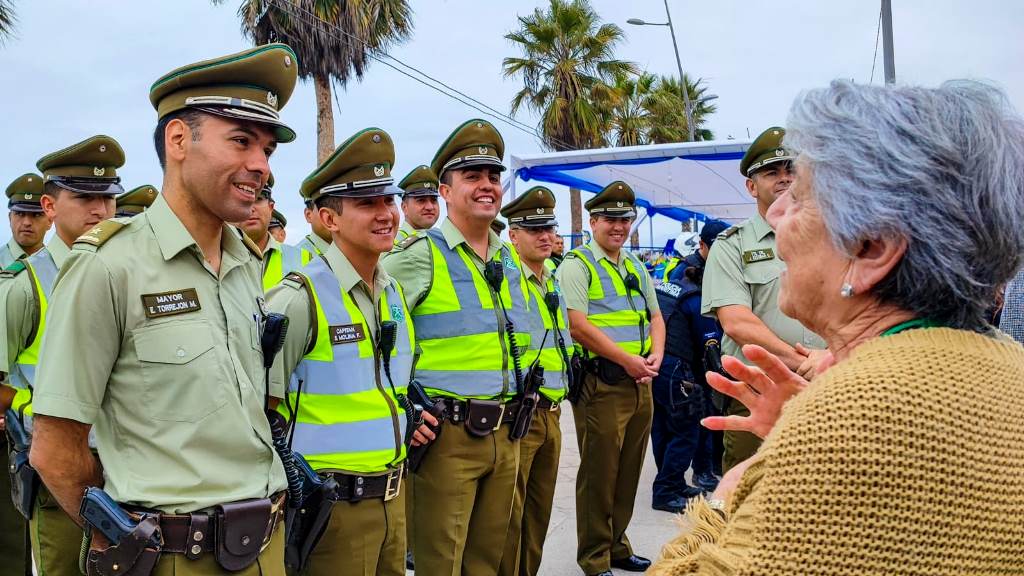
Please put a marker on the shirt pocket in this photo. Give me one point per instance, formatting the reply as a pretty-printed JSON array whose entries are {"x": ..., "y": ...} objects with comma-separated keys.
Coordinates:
[
  {"x": 183, "y": 380},
  {"x": 760, "y": 273}
]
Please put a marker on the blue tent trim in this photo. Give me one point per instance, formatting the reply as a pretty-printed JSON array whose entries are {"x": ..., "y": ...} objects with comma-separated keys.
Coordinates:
[{"x": 555, "y": 174}]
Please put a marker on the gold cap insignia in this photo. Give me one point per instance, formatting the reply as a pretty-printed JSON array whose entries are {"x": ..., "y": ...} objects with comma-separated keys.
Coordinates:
[
  {"x": 28, "y": 196},
  {"x": 618, "y": 204},
  {"x": 272, "y": 99},
  {"x": 426, "y": 184},
  {"x": 779, "y": 152},
  {"x": 482, "y": 149},
  {"x": 540, "y": 210},
  {"x": 378, "y": 170},
  {"x": 98, "y": 171}
]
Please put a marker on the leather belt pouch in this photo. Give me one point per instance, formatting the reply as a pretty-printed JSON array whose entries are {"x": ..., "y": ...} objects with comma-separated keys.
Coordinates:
[
  {"x": 483, "y": 417},
  {"x": 24, "y": 482},
  {"x": 609, "y": 372},
  {"x": 133, "y": 556},
  {"x": 242, "y": 527}
]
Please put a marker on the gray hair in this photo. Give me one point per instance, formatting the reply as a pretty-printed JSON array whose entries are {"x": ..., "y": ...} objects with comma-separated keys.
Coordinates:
[{"x": 941, "y": 167}]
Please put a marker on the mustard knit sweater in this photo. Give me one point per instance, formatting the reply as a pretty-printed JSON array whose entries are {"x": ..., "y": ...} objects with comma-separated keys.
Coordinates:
[{"x": 906, "y": 458}]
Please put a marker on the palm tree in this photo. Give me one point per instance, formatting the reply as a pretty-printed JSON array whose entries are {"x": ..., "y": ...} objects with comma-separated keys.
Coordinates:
[
  {"x": 567, "y": 64},
  {"x": 629, "y": 111},
  {"x": 668, "y": 108},
  {"x": 7, "y": 19},
  {"x": 333, "y": 40}
]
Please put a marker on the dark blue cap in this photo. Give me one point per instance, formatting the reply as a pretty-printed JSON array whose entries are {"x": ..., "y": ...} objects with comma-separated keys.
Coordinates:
[{"x": 711, "y": 230}]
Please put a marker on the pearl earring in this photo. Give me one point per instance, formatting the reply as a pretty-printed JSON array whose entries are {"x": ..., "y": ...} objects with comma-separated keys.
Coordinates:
[{"x": 847, "y": 290}]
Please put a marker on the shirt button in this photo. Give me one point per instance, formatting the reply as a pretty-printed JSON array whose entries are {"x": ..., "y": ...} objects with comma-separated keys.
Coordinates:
[{"x": 180, "y": 353}]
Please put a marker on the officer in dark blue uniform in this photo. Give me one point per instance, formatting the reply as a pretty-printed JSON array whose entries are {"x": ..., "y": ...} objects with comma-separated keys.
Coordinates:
[{"x": 681, "y": 395}]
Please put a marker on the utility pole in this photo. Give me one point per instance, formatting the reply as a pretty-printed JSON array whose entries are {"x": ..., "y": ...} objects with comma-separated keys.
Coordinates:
[
  {"x": 887, "y": 50},
  {"x": 682, "y": 83}
]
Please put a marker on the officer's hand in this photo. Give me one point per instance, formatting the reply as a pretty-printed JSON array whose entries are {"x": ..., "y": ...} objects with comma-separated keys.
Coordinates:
[
  {"x": 654, "y": 361},
  {"x": 636, "y": 366},
  {"x": 423, "y": 434},
  {"x": 763, "y": 389},
  {"x": 816, "y": 362}
]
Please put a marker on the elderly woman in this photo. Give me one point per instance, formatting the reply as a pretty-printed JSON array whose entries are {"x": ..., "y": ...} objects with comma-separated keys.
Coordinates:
[{"x": 906, "y": 214}]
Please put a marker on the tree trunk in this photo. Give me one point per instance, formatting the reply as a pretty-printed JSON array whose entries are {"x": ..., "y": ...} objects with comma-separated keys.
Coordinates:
[
  {"x": 324, "y": 118},
  {"x": 576, "y": 209},
  {"x": 634, "y": 239}
]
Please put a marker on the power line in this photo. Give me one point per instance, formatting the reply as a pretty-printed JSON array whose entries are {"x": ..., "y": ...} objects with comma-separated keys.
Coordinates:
[
  {"x": 458, "y": 95},
  {"x": 874, "y": 59}
]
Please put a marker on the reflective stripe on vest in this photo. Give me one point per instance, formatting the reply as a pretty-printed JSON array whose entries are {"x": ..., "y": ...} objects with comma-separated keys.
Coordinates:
[
  {"x": 555, "y": 373},
  {"x": 42, "y": 270},
  {"x": 349, "y": 418},
  {"x": 460, "y": 328},
  {"x": 282, "y": 261},
  {"x": 611, "y": 309}
]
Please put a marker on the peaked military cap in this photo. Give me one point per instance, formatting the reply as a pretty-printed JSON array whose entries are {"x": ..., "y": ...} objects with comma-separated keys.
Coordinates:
[
  {"x": 533, "y": 208},
  {"x": 498, "y": 226},
  {"x": 268, "y": 188},
  {"x": 766, "y": 149},
  {"x": 420, "y": 182},
  {"x": 88, "y": 167},
  {"x": 616, "y": 200},
  {"x": 277, "y": 220},
  {"x": 359, "y": 167},
  {"x": 136, "y": 200},
  {"x": 23, "y": 194},
  {"x": 475, "y": 143},
  {"x": 252, "y": 85}
]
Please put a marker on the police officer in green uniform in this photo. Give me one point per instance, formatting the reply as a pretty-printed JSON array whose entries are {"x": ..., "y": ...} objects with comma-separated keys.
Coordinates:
[
  {"x": 533, "y": 228},
  {"x": 81, "y": 184},
  {"x": 277, "y": 225},
  {"x": 741, "y": 285},
  {"x": 319, "y": 239},
  {"x": 614, "y": 316},
  {"x": 28, "y": 222},
  {"x": 419, "y": 202},
  {"x": 278, "y": 259},
  {"x": 135, "y": 201},
  {"x": 351, "y": 423},
  {"x": 462, "y": 285},
  {"x": 169, "y": 302}
]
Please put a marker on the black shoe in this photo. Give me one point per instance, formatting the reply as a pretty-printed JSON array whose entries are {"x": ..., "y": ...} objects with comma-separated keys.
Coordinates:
[
  {"x": 605, "y": 573},
  {"x": 409, "y": 564},
  {"x": 706, "y": 481},
  {"x": 632, "y": 563},
  {"x": 675, "y": 505},
  {"x": 690, "y": 492}
]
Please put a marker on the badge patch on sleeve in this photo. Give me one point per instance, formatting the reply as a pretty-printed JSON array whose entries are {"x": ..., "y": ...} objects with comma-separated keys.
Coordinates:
[
  {"x": 170, "y": 303},
  {"x": 346, "y": 333},
  {"x": 759, "y": 255}
]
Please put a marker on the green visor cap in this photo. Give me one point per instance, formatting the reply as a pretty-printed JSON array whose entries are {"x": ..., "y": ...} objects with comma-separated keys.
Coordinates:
[
  {"x": 420, "y": 182},
  {"x": 23, "y": 194},
  {"x": 89, "y": 167},
  {"x": 474, "y": 143},
  {"x": 766, "y": 149},
  {"x": 252, "y": 85},
  {"x": 498, "y": 226},
  {"x": 136, "y": 200},
  {"x": 360, "y": 167},
  {"x": 616, "y": 200},
  {"x": 533, "y": 208},
  {"x": 277, "y": 220}
]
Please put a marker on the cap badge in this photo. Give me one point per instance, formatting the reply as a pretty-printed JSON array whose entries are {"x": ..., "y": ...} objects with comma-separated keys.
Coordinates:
[
  {"x": 378, "y": 170},
  {"x": 618, "y": 204},
  {"x": 103, "y": 147},
  {"x": 426, "y": 184},
  {"x": 482, "y": 149},
  {"x": 98, "y": 171},
  {"x": 779, "y": 152},
  {"x": 28, "y": 196},
  {"x": 540, "y": 210},
  {"x": 287, "y": 61},
  {"x": 272, "y": 99}
]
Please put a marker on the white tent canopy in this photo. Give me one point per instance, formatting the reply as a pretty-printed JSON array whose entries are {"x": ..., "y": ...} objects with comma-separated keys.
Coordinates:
[{"x": 681, "y": 181}]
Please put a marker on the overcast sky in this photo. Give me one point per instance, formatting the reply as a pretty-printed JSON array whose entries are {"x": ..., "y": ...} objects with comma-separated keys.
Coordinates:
[{"x": 80, "y": 68}]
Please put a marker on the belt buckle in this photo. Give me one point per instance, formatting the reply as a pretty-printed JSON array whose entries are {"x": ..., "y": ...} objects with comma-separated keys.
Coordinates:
[
  {"x": 553, "y": 407},
  {"x": 394, "y": 485},
  {"x": 501, "y": 417}
]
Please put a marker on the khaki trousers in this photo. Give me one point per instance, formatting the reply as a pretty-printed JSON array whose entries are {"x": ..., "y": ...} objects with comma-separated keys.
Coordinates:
[
  {"x": 463, "y": 493},
  {"x": 613, "y": 425},
  {"x": 364, "y": 538},
  {"x": 738, "y": 445},
  {"x": 535, "y": 492},
  {"x": 56, "y": 539}
]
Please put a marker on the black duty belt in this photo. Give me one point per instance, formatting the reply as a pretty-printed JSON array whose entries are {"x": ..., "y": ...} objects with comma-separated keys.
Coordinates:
[
  {"x": 353, "y": 487},
  {"x": 544, "y": 404},
  {"x": 457, "y": 411}
]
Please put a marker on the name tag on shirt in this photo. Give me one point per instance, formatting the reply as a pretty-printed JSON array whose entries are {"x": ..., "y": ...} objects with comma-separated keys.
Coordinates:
[
  {"x": 346, "y": 333},
  {"x": 759, "y": 255},
  {"x": 170, "y": 303}
]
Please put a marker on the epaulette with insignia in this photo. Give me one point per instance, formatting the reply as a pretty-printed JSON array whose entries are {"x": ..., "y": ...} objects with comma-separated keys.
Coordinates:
[
  {"x": 250, "y": 245},
  {"x": 412, "y": 239},
  {"x": 12, "y": 270},
  {"x": 100, "y": 233},
  {"x": 729, "y": 232}
]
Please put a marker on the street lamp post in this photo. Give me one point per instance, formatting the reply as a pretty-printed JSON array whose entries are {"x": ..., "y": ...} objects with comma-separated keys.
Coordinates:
[{"x": 687, "y": 109}]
